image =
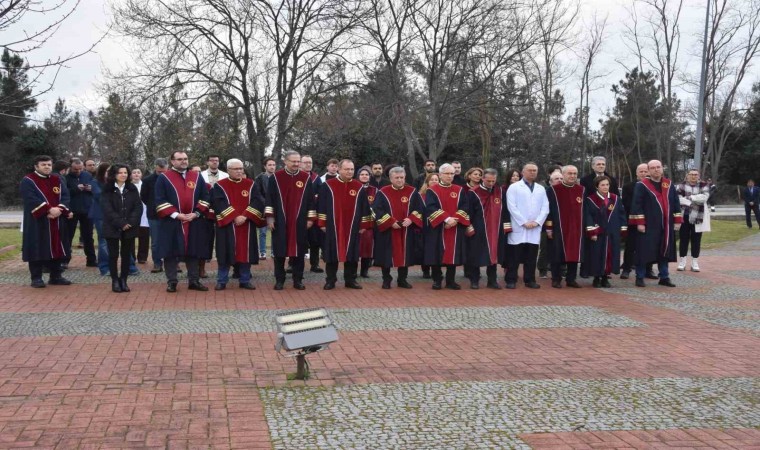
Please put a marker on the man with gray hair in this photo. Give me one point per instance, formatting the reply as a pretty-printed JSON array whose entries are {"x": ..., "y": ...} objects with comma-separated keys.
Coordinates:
[
  {"x": 147, "y": 195},
  {"x": 564, "y": 226},
  {"x": 598, "y": 166}
]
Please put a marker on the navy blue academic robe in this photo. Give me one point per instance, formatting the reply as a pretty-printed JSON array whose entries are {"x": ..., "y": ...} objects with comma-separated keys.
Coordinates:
[
  {"x": 185, "y": 195},
  {"x": 658, "y": 210},
  {"x": 400, "y": 247},
  {"x": 42, "y": 237},
  {"x": 607, "y": 221}
]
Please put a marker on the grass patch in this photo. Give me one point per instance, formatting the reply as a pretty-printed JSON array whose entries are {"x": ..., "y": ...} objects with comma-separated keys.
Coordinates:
[
  {"x": 725, "y": 231},
  {"x": 10, "y": 236}
]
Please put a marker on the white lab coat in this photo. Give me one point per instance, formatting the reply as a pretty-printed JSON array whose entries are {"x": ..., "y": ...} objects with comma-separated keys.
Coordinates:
[{"x": 526, "y": 206}]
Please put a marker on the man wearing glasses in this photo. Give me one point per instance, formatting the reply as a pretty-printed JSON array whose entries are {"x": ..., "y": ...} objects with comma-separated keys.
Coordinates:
[
  {"x": 181, "y": 198},
  {"x": 445, "y": 207}
]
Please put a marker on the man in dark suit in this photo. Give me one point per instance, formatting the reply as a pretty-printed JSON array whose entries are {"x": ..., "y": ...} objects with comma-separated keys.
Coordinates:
[
  {"x": 79, "y": 183},
  {"x": 148, "y": 198},
  {"x": 751, "y": 197},
  {"x": 599, "y": 166}
]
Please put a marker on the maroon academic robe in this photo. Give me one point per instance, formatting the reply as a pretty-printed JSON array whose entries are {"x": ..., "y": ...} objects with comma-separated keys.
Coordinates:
[
  {"x": 444, "y": 246},
  {"x": 290, "y": 200},
  {"x": 565, "y": 221},
  {"x": 397, "y": 247},
  {"x": 343, "y": 211},
  {"x": 366, "y": 239},
  {"x": 186, "y": 195},
  {"x": 237, "y": 243}
]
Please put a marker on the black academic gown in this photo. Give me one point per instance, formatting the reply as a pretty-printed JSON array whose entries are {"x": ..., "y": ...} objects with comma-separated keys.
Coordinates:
[
  {"x": 609, "y": 224},
  {"x": 42, "y": 239}
]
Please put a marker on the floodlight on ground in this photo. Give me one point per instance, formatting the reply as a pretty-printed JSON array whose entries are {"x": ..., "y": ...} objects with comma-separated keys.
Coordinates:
[{"x": 304, "y": 331}]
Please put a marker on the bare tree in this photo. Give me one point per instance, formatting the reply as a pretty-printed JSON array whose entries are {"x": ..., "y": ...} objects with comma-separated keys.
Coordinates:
[
  {"x": 589, "y": 51},
  {"x": 26, "y": 26},
  {"x": 732, "y": 48}
]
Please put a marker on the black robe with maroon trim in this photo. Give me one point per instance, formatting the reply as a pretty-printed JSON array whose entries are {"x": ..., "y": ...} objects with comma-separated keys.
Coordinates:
[
  {"x": 290, "y": 200},
  {"x": 186, "y": 195},
  {"x": 42, "y": 239},
  {"x": 367, "y": 239},
  {"x": 314, "y": 234},
  {"x": 398, "y": 247},
  {"x": 506, "y": 225},
  {"x": 444, "y": 246},
  {"x": 488, "y": 217},
  {"x": 609, "y": 224},
  {"x": 237, "y": 243},
  {"x": 658, "y": 211},
  {"x": 565, "y": 221},
  {"x": 343, "y": 210}
]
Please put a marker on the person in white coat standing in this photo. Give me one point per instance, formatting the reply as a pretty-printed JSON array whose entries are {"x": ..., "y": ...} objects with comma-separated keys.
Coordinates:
[{"x": 528, "y": 207}]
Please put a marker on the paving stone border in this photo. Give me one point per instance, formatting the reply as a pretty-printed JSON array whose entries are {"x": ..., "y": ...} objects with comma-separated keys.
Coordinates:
[
  {"x": 493, "y": 414},
  {"x": 359, "y": 319}
]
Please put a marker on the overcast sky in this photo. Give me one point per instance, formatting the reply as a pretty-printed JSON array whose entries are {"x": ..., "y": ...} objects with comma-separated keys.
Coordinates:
[{"x": 78, "y": 82}]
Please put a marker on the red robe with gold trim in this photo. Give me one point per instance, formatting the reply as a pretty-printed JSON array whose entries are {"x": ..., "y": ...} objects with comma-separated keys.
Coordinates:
[
  {"x": 185, "y": 195},
  {"x": 343, "y": 211},
  {"x": 290, "y": 200},
  {"x": 400, "y": 247},
  {"x": 41, "y": 240},
  {"x": 565, "y": 220},
  {"x": 230, "y": 199},
  {"x": 444, "y": 246}
]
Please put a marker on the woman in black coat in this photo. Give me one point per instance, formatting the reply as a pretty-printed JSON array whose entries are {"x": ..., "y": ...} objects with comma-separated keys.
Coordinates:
[{"x": 122, "y": 209}]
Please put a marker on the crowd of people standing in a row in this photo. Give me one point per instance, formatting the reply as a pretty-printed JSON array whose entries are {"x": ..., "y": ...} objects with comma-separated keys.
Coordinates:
[{"x": 359, "y": 218}]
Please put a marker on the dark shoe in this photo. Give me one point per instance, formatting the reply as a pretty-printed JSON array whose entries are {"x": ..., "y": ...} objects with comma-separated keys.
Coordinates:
[
  {"x": 606, "y": 282},
  {"x": 386, "y": 284},
  {"x": 532, "y": 285},
  {"x": 298, "y": 285},
  {"x": 353, "y": 285},
  {"x": 317, "y": 269},
  {"x": 542, "y": 273},
  {"x": 404, "y": 284},
  {"x": 59, "y": 282},
  {"x": 454, "y": 286},
  {"x": 329, "y": 286},
  {"x": 196, "y": 286},
  {"x": 625, "y": 274},
  {"x": 157, "y": 269},
  {"x": 666, "y": 282},
  {"x": 474, "y": 285},
  {"x": 494, "y": 285},
  {"x": 364, "y": 274},
  {"x": 436, "y": 286},
  {"x": 597, "y": 282},
  {"x": 171, "y": 287},
  {"x": 640, "y": 282},
  {"x": 220, "y": 287},
  {"x": 91, "y": 264},
  {"x": 426, "y": 274},
  {"x": 572, "y": 284},
  {"x": 38, "y": 284},
  {"x": 289, "y": 269},
  {"x": 652, "y": 276},
  {"x": 557, "y": 284},
  {"x": 123, "y": 284},
  {"x": 511, "y": 286},
  {"x": 247, "y": 286},
  {"x": 278, "y": 286}
]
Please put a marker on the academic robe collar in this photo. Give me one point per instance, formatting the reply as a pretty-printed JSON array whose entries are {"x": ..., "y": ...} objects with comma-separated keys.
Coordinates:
[
  {"x": 41, "y": 175},
  {"x": 339, "y": 178},
  {"x": 399, "y": 189},
  {"x": 292, "y": 174},
  {"x": 568, "y": 185},
  {"x": 444, "y": 185},
  {"x": 235, "y": 181},
  {"x": 181, "y": 172},
  {"x": 599, "y": 194}
]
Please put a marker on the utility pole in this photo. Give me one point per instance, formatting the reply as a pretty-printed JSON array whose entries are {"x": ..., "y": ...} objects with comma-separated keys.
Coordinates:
[{"x": 699, "y": 138}]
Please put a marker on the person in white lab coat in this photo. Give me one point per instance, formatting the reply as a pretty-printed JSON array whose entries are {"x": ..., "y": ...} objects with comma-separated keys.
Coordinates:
[{"x": 528, "y": 207}]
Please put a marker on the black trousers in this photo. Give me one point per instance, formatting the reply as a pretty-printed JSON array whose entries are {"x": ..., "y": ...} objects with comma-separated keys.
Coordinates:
[
  {"x": 687, "y": 236},
  {"x": 544, "y": 253},
  {"x": 349, "y": 271},
  {"x": 170, "y": 267},
  {"x": 526, "y": 255},
  {"x": 53, "y": 265},
  {"x": 123, "y": 248},
  {"x": 403, "y": 272},
  {"x": 630, "y": 250},
  {"x": 296, "y": 263},
  {"x": 366, "y": 263},
  {"x": 473, "y": 273},
  {"x": 748, "y": 210},
  {"x": 437, "y": 273},
  {"x": 314, "y": 256},
  {"x": 572, "y": 271},
  {"x": 85, "y": 233},
  {"x": 143, "y": 245}
]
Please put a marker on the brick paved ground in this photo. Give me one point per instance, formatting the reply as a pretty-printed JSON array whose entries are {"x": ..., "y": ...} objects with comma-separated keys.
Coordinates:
[{"x": 82, "y": 367}]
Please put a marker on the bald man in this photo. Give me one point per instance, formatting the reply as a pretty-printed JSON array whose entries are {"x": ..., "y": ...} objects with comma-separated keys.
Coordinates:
[
  {"x": 656, "y": 215},
  {"x": 564, "y": 226}
]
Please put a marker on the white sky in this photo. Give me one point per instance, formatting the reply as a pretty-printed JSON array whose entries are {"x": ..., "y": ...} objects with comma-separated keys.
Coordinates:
[{"x": 78, "y": 82}]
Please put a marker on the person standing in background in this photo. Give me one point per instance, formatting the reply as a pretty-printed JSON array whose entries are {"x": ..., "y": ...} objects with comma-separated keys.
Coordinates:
[
  {"x": 262, "y": 184},
  {"x": 751, "y": 197},
  {"x": 143, "y": 234}
]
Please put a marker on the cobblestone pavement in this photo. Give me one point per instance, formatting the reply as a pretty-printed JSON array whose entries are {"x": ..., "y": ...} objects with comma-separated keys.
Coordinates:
[{"x": 626, "y": 367}]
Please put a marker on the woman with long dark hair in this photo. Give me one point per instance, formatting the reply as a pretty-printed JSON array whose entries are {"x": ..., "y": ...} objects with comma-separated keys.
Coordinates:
[{"x": 122, "y": 210}]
